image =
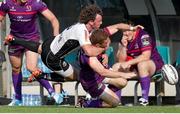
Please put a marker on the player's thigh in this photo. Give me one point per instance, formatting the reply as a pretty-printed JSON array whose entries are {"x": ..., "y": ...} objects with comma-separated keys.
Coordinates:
[
  {"x": 118, "y": 82},
  {"x": 109, "y": 97},
  {"x": 31, "y": 60}
]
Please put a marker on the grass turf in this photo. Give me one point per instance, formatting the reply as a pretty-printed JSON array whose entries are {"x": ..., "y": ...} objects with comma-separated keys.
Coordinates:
[{"x": 71, "y": 109}]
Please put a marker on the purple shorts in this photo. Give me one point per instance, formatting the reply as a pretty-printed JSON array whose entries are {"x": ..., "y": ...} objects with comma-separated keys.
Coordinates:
[
  {"x": 93, "y": 85},
  {"x": 17, "y": 50},
  {"x": 96, "y": 90},
  {"x": 159, "y": 63}
]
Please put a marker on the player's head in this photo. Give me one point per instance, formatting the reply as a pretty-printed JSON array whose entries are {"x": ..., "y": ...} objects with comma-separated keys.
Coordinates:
[
  {"x": 23, "y": 1},
  {"x": 129, "y": 34},
  {"x": 91, "y": 15},
  {"x": 100, "y": 38}
]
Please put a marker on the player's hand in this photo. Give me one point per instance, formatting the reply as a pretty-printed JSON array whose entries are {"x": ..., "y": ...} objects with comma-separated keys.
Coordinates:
[
  {"x": 138, "y": 26},
  {"x": 125, "y": 66},
  {"x": 130, "y": 75},
  {"x": 124, "y": 41},
  {"x": 105, "y": 60},
  {"x": 8, "y": 39}
]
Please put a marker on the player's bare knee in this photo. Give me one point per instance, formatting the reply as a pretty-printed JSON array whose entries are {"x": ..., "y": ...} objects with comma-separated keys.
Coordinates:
[
  {"x": 142, "y": 65},
  {"x": 122, "y": 83},
  {"x": 16, "y": 69},
  {"x": 115, "y": 103}
]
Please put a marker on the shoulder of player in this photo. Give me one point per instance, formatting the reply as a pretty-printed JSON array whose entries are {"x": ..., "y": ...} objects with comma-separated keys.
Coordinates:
[
  {"x": 80, "y": 27},
  {"x": 5, "y": 1},
  {"x": 36, "y": 2}
]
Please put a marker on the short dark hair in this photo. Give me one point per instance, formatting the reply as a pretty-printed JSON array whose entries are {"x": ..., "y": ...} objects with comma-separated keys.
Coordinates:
[
  {"x": 89, "y": 13},
  {"x": 98, "y": 36}
]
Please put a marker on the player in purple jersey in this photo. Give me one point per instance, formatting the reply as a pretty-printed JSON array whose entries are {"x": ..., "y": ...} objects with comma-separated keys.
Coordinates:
[
  {"x": 98, "y": 80},
  {"x": 138, "y": 51},
  {"x": 23, "y": 15},
  {"x": 53, "y": 51}
]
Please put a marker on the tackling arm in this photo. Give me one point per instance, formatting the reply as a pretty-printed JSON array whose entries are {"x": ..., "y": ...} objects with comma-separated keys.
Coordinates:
[
  {"x": 99, "y": 68},
  {"x": 121, "y": 26}
]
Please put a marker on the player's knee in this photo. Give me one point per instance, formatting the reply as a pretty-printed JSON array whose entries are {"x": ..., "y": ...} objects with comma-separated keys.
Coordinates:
[
  {"x": 142, "y": 65},
  {"x": 115, "y": 103},
  {"x": 122, "y": 83},
  {"x": 66, "y": 73},
  {"x": 16, "y": 69}
]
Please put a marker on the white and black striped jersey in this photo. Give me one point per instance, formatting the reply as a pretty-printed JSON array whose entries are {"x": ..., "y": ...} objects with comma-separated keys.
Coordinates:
[{"x": 69, "y": 39}]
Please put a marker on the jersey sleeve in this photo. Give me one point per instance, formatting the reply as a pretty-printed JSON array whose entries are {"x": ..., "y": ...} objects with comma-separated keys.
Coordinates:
[
  {"x": 83, "y": 58},
  {"x": 145, "y": 42},
  {"x": 83, "y": 37},
  {"x": 41, "y": 6},
  {"x": 3, "y": 8},
  {"x": 107, "y": 31}
]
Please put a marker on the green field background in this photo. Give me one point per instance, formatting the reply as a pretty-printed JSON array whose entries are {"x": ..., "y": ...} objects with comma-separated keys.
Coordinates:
[{"x": 71, "y": 109}]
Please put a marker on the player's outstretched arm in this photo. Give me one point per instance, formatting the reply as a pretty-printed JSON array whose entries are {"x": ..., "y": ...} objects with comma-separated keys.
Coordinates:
[
  {"x": 99, "y": 68},
  {"x": 112, "y": 29}
]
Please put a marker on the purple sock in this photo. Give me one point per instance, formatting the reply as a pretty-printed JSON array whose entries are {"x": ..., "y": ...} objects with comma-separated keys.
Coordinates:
[
  {"x": 118, "y": 93},
  {"x": 17, "y": 80},
  {"x": 93, "y": 103},
  {"x": 116, "y": 90},
  {"x": 145, "y": 85},
  {"x": 47, "y": 85}
]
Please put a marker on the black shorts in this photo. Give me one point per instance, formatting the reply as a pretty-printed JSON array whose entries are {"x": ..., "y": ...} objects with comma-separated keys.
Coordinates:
[{"x": 50, "y": 60}]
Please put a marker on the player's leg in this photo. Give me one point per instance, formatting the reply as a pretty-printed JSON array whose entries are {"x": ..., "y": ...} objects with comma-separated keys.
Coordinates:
[
  {"x": 15, "y": 57},
  {"x": 102, "y": 97},
  {"x": 110, "y": 98},
  {"x": 31, "y": 63},
  {"x": 67, "y": 71},
  {"x": 116, "y": 84},
  {"x": 145, "y": 69}
]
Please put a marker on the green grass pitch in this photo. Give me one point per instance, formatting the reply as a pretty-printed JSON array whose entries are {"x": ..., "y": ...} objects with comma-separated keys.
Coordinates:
[{"x": 71, "y": 109}]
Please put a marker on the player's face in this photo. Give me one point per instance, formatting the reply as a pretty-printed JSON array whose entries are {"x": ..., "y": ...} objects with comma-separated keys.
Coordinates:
[
  {"x": 97, "y": 22},
  {"x": 129, "y": 35}
]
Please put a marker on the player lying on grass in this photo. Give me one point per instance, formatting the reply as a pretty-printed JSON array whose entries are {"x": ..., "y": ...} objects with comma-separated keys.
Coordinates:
[{"x": 98, "y": 80}]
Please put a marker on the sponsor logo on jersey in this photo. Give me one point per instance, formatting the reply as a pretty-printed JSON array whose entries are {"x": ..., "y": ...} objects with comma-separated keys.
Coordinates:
[
  {"x": 11, "y": 50},
  {"x": 145, "y": 40},
  {"x": 136, "y": 46},
  {"x": 12, "y": 9},
  {"x": 28, "y": 8}
]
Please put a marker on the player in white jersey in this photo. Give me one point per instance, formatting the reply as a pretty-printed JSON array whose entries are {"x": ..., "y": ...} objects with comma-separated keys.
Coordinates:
[{"x": 53, "y": 50}]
